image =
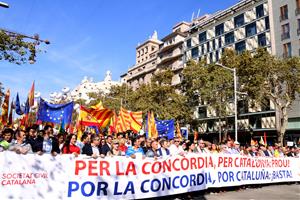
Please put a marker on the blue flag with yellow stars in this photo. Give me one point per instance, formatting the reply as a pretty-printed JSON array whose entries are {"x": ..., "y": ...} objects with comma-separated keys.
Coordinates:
[
  {"x": 56, "y": 113},
  {"x": 165, "y": 128}
]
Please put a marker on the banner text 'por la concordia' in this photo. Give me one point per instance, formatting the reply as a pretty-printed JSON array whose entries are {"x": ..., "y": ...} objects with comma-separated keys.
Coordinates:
[{"x": 67, "y": 177}]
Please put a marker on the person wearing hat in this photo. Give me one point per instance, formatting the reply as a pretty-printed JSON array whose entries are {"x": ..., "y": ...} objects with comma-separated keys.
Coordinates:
[{"x": 236, "y": 148}]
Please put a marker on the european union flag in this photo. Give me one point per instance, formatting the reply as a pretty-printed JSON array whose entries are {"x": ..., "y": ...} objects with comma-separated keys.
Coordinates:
[
  {"x": 165, "y": 128},
  {"x": 56, "y": 113}
]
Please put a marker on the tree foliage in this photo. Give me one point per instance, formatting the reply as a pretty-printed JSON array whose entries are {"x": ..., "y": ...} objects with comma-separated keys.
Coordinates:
[
  {"x": 277, "y": 79},
  {"x": 158, "y": 96},
  {"x": 18, "y": 49}
]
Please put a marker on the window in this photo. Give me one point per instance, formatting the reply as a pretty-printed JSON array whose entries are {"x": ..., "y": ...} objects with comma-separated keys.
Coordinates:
[
  {"x": 262, "y": 41},
  {"x": 298, "y": 29},
  {"x": 202, "y": 111},
  {"x": 189, "y": 43},
  {"x": 202, "y": 49},
  {"x": 284, "y": 13},
  {"x": 211, "y": 57},
  {"x": 229, "y": 38},
  {"x": 297, "y": 12},
  {"x": 267, "y": 23},
  {"x": 285, "y": 29},
  {"x": 208, "y": 47},
  {"x": 195, "y": 52},
  {"x": 287, "y": 50},
  {"x": 240, "y": 46},
  {"x": 251, "y": 29},
  {"x": 214, "y": 44},
  {"x": 217, "y": 56},
  {"x": 260, "y": 11},
  {"x": 220, "y": 42},
  {"x": 239, "y": 21},
  {"x": 202, "y": 37},
  {"x": 219, "y": 30},
  {"x": 242, "y": 106}
]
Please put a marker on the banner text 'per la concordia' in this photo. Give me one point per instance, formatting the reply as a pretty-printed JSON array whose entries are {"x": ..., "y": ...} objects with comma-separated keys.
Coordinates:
[{"x": 67, "y": 177}]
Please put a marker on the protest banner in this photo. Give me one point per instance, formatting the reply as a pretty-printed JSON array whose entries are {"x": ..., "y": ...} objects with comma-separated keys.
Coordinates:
[{"x": 66, "y": 177}]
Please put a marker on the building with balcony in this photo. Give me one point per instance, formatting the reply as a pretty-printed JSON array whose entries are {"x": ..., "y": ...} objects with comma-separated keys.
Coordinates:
[
  {"x": 146, "y": 62},
  {"x": 170, "y": 54},
  {"x": 247, "y": 25}
]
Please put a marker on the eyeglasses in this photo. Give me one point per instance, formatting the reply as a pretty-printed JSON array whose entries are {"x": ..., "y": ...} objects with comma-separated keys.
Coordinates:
[{"x": 176, "y": 141}]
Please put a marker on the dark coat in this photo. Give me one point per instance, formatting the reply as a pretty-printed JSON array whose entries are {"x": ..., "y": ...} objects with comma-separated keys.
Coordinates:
[
  {"x": 105, "y": 149},
  {"x": 88, "y": 150},
  {"x": 38, "y": 145}
]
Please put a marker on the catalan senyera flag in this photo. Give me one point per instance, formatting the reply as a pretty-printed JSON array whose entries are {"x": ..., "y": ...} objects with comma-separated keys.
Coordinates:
[
  {"x": 195, "y": 135},
  {"x": 113, "y": 124},
  {"x": 128, "y": 120},
  {"x": 31, "y": 95},
  {"x": 178, "y": 132},
  {"x": 5, "y": 105},
  {"x": 151, "y": 126},
  {"x": 123, "y": 123},
  {"x": 136, "y": 121}
]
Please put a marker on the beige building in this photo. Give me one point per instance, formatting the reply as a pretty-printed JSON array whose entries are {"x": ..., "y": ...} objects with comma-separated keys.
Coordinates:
[
  {"x": 170, "y": 54},
  {"x": 146, "y": 62}
]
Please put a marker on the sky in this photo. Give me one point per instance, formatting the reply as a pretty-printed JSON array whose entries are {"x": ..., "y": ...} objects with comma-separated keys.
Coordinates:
[{"x": 88, "y": 37}]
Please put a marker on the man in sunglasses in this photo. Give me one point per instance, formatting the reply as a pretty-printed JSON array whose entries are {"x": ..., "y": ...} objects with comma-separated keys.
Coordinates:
[{"x": 176, "y": 148}]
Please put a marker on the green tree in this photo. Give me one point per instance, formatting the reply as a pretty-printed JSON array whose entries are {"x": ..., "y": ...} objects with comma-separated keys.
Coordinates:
[
  {"x": 17, "y": 48},
  {"x": 208, "y": 85},
  {"x": 277, "y": 79}
]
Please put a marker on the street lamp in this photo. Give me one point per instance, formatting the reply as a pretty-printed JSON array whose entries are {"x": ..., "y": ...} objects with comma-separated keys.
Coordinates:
[
  {"x": 235, "y": 98},
  {"x": 4, "y": 5}
]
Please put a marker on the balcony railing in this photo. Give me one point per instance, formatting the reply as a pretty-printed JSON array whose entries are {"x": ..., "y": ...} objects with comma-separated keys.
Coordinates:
[
  {"x": 283, "y": 17},
  {"x": 297, "y": 11},
  {"x": 285, "y": 36}
]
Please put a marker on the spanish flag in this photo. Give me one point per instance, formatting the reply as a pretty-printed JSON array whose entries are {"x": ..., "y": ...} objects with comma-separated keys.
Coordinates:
[
  {"x": 31, "y": 95},
  {"x": 4, "y": 115},
  {"x": 94, "y": 117}
]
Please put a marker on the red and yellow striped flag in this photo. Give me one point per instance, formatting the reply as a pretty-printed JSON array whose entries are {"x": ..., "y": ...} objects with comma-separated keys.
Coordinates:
[
  {"x": 4, "y": 115},
  {"x": 128, "y": 120},
  {"x": 178, "y": 132},
  {"x": 95, "y": 117},
  {"x": 31, "y": 95},
  {"x": 136, "y": 121}
]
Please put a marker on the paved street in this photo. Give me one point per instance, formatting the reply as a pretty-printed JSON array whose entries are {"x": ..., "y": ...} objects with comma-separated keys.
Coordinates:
[{"x": 273, "y": 192}]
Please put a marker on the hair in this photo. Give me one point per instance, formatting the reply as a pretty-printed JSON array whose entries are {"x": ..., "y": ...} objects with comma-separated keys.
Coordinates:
[
  {"x": 93, "y": 137},
  {"x": 84, "y": 136},
  {"x": 109, "y": 136},
  {"x": 67, "y": 142},
  {"x": 47, "y": 127},
  {"x": 162, "y": 141}
]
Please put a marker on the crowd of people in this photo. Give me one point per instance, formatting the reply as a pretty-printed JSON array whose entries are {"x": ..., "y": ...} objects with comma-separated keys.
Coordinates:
[{"x": 33, "y": 140}]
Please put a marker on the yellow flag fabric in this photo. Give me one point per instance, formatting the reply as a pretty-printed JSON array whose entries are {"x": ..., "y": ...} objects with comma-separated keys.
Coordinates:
[
  {"x": 94, "y": 117},
  {"x": 178, "y": 132},
  {"x": 5, "y": 105},
  {"x": 128, "y": 120},
  {"x": 151, "y": 126}
]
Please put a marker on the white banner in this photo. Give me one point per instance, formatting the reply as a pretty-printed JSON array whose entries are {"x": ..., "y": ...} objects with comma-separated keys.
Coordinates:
[{"x": 67, "y": 177}]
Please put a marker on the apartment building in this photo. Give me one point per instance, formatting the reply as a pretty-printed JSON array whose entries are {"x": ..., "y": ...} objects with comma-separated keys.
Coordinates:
[
  {"x": 154, "y": 55},
  {"x": 146, "y": 63},
  {"x": 247, "y": 25},
  {"x": 170, "y": 54}
]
